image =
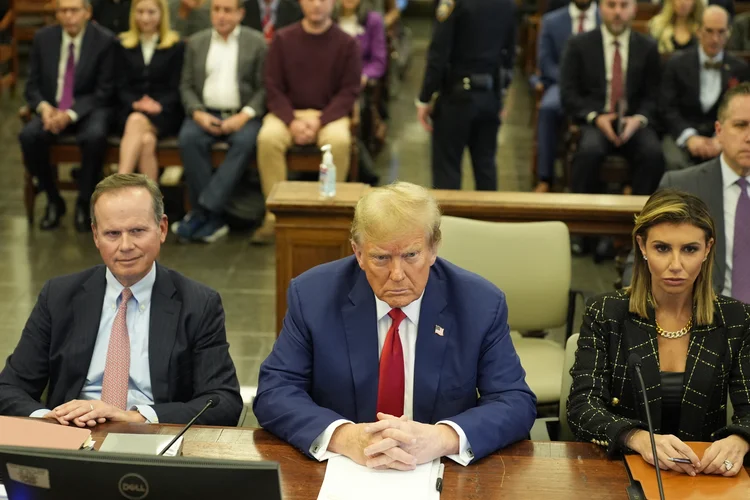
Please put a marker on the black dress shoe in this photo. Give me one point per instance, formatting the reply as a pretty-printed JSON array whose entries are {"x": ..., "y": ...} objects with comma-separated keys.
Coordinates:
[
  {"x": 82, "y": 221},
  {"x": 53, "y": 214},
  {"x": 605, "y": 249}
]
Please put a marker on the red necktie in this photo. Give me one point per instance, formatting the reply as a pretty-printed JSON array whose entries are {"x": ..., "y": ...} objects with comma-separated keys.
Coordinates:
[
  {"x": 117, "y": 367},
  {"x": 616, "y": 86},
  {"x": 391, "y": 382},
  {"x": 266, "y": 23},
  {"x": 581, "y": 19}
]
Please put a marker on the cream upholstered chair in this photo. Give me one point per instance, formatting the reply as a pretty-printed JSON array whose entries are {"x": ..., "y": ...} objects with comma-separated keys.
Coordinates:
[
  {"x": 571, "y": 346},
  {"x": 531, "y": 263}
]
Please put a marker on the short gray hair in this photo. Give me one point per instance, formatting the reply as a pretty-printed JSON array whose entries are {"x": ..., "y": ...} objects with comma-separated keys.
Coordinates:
[{"x": 116, "y": 182}]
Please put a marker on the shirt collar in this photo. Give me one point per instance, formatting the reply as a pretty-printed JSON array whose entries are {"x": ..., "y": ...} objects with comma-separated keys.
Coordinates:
[
  {"x": 703, "y": 58},
  {"x": 411, "y": 310},
  {"x": 66, "y": 39},
  {"x": 233, "y": 35},
  {"x": 149, "y": 41},
  {"x": 729, "y": 177},
  {"x": 609, "y": 38},
  {"x": 141, "y": 290}
]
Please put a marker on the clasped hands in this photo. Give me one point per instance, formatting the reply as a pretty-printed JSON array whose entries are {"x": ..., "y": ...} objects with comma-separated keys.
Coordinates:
[
  {"x": 605, "y": 123},
  {"x": 394, "y": 443},
  {"x": 217, "y": 126},
  {"x": 305, "y": 130},
  {"x": 704, "y": 148},
  {"x": 54, "y": 120},
  {"x": 88, "y": 413},
  {"x": 147, "y": 105},
  {"x": 732, "y": 448}
]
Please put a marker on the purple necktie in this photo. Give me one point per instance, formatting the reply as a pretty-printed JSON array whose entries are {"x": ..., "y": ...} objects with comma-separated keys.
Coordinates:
[
  {"x": 741, "y": 249},
  {"x": 69, "y": 81}
]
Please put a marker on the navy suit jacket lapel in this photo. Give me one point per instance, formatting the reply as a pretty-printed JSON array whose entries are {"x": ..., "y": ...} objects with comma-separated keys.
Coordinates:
[
  {"x": 87, "y": 312},
  {"x": 162, "y": 332},
  {"x": 55, "y": 59},
  {"x": 85, "y": 53},
  {"x": 430, "y": 349},
  {"x": 360, "y": 324}
]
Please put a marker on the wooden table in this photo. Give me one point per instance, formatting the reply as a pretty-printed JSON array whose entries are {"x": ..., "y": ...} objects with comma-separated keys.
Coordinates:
[
  {"x": 527, "y": 470},
  {"x": 311, "y": 231}
]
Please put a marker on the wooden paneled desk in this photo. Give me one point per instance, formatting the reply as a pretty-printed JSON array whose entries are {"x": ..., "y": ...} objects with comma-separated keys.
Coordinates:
[
  {"x": 311, "y": 231},
  {"x": 527, "y": 470}
]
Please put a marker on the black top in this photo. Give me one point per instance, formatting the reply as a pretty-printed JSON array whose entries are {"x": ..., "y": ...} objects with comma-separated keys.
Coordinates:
[
  {"x": 112, "y": 14},
  {"x": 679, "y": 46},
  {"x": 672, "y": 389}
]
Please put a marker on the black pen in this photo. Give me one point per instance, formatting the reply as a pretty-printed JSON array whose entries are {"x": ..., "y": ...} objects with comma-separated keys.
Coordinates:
[{"x": 439, "y": 481}]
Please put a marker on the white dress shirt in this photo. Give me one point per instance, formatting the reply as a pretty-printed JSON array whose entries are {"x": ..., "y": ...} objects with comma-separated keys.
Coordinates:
[
  {"x": 148, "y": 47},
  {"x": 710, "y": 90},
  {"x": 408, "y": 332},
  {"x": 66, "y": 41},
  {"x": 221, "y": 90},
  {"x": 589, "y": 21},
  {"x": 731, "y": 192},
  {"x": 138, "y": 316}
]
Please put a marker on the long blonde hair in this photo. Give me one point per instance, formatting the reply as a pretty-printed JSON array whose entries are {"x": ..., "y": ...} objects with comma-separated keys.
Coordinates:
[
  {"x": 673, "y": 207},
  {"x": 167, "y": 37},
  {"x": 661, "y": 26}
]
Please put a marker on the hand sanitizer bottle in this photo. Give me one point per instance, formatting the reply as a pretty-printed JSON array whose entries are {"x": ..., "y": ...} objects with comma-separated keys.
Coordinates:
[{"x": 327, "y": 174}]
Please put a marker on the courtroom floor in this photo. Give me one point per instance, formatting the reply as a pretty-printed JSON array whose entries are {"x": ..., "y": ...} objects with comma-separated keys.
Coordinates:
[{"x": 244, "y": 275}]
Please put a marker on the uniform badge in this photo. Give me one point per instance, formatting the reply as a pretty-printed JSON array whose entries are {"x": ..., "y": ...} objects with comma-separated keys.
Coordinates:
[{"x": 445, "y": 9}]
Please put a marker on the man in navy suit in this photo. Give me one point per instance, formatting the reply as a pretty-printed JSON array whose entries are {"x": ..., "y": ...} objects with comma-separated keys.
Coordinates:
[
  {"x": 579, "y": 16},
  {"x": 70, "y": 86},
  {"x": 394, "y": 357},
  {"x": 130, "y": 341}
]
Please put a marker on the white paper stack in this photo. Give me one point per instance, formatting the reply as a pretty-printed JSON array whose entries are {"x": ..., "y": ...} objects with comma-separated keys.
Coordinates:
[{"x": 345, "y": 480}]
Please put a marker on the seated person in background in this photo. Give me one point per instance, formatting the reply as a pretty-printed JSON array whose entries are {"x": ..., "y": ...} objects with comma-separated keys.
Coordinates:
[
  {"x": 394, "y": 357},
  {"x": 129, "y": 341},
  {"x": 224, "y": 99},
  {"x": 72, "y": 95},
  {"x": 312, "y": 80},
  {"x": 691, "y": 89},
  {"x": 557, "y": 27},
  {"x": 111, "y": 14},
  {"x": 675, "y": 26},
  {"x": 190, "y": 16},
  {"x": 740, "y": 38},
  {"x": 694, "y": 348},
  {"x": 148, "y": 66},
  {"x": 269, "y": 16},
  {"x": 614, "y": 117},
  {"x": 722, "y": 183}
]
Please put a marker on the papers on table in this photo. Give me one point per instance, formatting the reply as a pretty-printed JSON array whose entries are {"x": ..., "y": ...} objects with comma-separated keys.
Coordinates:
[
  {"x": 345, "y": 480},
  {"x": 41, "y": 433}
]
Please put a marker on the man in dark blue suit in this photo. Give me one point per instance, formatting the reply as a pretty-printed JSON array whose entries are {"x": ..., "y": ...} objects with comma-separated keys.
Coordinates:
[
  {"x": 70, "y": 86},
  {"x": 394, "y": 357},
  {"x": 557, "y": 26},
  {"x": 130, "y": 341}
]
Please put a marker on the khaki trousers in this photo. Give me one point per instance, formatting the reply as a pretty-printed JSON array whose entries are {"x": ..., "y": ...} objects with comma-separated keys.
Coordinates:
[{"x": 274, "y": 139}]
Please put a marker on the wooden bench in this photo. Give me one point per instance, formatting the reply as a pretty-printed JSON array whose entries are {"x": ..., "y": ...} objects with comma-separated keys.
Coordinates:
[
  {"x": 311, "y": 231},
  {"x": 65, "y": 150},
  {"x": 8, "y": 52}
]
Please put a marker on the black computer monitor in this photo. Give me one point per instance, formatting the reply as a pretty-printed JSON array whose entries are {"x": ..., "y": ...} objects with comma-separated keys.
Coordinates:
[{"x": 43, "y": 474}]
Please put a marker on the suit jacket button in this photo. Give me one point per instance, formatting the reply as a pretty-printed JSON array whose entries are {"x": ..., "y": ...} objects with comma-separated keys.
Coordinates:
[{"x": 615, "y": 401}]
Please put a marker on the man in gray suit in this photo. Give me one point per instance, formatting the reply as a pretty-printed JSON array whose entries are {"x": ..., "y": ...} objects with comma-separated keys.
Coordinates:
[
  {"x": 722, "y": 183},
  {"x": 224, "y": 100}
]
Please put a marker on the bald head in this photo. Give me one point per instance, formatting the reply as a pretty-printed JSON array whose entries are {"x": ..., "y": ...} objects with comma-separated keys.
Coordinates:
[{"x": 714, "y": 31}]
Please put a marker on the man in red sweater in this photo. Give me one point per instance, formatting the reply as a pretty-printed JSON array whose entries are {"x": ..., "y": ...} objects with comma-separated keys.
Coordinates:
[{"x": 312, "y": 80}]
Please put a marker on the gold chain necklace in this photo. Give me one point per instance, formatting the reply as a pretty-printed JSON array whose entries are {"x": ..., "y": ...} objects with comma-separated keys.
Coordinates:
[{"x": 674, "y": 335}]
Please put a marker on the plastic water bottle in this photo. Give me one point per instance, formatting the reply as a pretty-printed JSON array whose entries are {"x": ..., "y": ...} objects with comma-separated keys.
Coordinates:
[{"x": 327, "y": 174}]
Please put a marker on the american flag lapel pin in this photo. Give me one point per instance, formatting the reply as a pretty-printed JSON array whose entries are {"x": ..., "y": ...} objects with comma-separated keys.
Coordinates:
[{"x": 439, "y": 330}]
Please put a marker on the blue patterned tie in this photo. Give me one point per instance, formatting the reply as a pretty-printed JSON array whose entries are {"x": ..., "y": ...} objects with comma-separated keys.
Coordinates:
[{"x": 741, "y": 249}]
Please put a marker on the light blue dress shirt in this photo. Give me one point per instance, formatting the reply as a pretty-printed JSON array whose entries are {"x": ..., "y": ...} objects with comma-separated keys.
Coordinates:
[
  {"x": 138, "y": 319},
  {"x": 710, "y": 90}
]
